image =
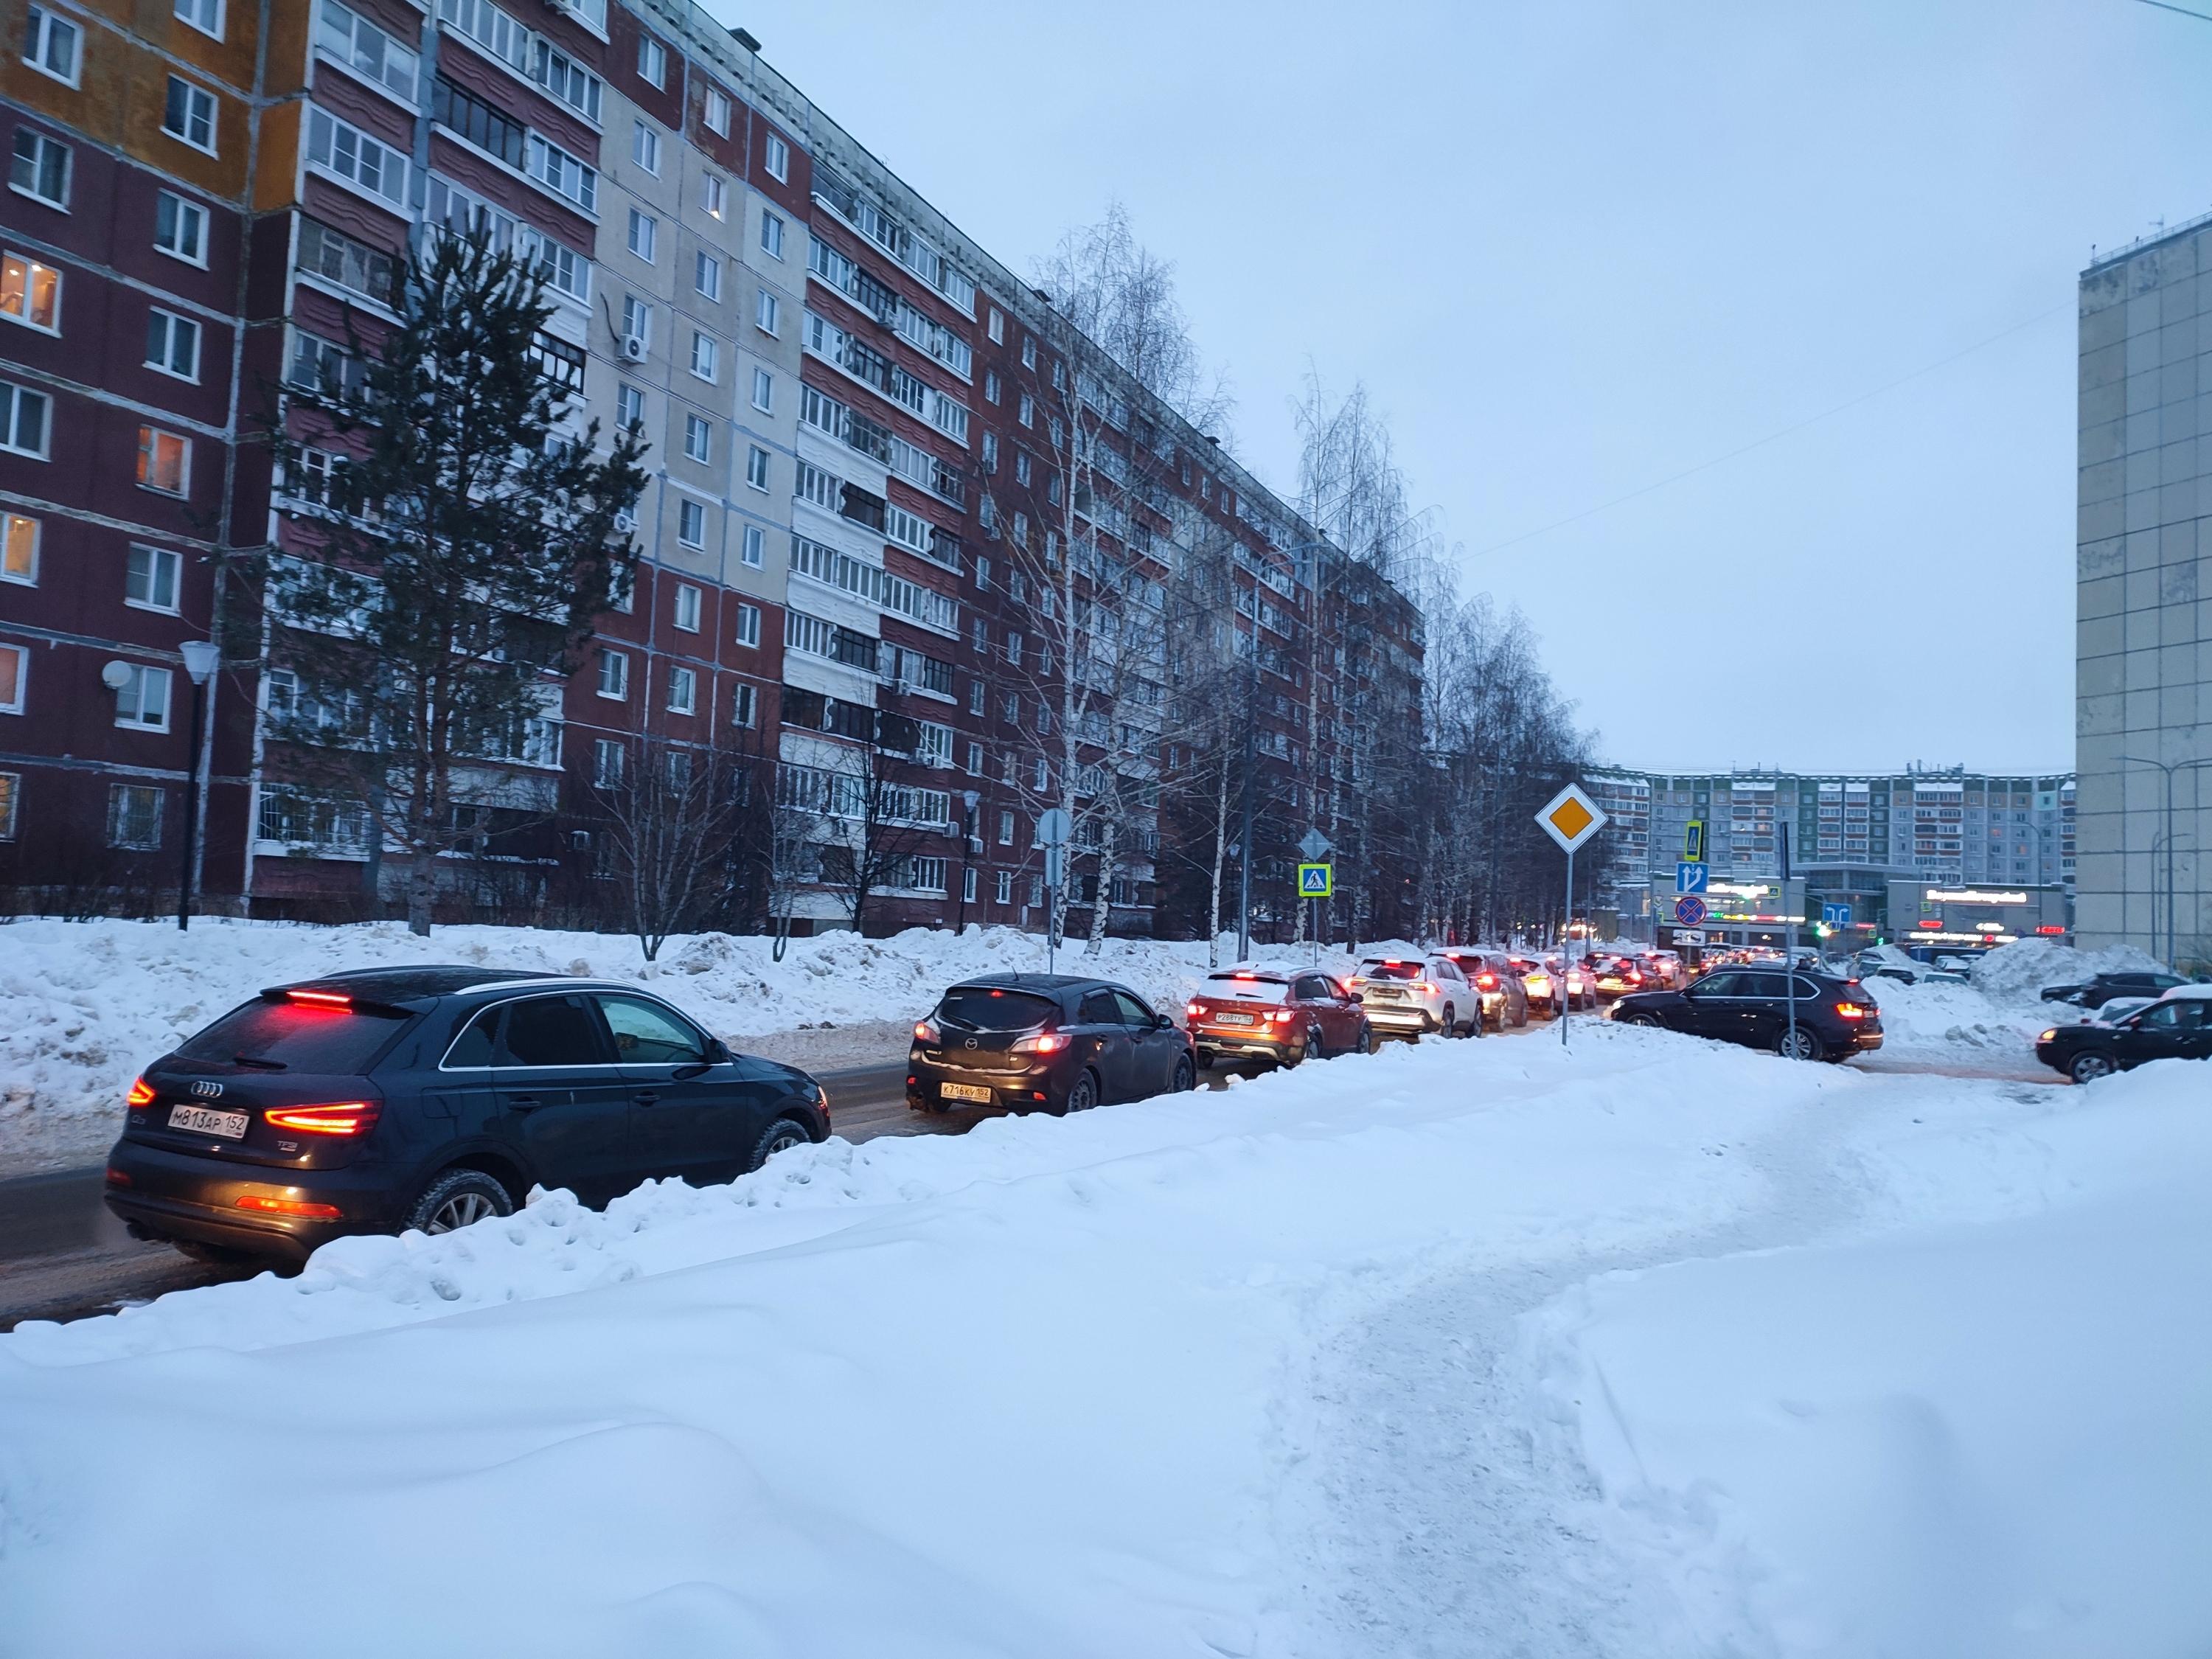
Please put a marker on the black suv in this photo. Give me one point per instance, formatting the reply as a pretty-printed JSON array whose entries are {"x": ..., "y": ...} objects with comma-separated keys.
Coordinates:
[
  {"x": 2096, "y": 993},
  {"x": 1835, "y": 1017},
  {"x": 2172, "y": 1028},
  {"x": 1044, "y": 1043},
  {"x": 431, "y": 1097}
]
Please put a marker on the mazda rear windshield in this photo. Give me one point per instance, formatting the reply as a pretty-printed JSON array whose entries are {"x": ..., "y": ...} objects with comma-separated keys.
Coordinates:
[
  {"x": 979, "y": 1010},
  {"x": 278, "y": 1034}
]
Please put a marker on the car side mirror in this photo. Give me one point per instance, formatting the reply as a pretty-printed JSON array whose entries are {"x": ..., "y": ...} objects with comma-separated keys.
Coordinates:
[
  {"x": 718, "y": 1052},
  {"x": 1163, "y": 1022}
]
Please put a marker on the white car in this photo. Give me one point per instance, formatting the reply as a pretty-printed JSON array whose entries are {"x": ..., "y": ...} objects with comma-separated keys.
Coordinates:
[{"x": 1419, "y": 994}]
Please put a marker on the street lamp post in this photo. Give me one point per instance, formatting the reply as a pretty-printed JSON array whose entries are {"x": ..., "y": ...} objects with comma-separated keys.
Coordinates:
[
  {"x": 201, "y": 657},
  {"x": 968, "y": 799}
]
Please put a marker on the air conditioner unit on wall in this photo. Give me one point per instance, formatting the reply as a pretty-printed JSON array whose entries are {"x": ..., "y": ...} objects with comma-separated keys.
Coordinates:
[
  {"x": 633, "y": 349},
  {"x": 625, "y": 520}
]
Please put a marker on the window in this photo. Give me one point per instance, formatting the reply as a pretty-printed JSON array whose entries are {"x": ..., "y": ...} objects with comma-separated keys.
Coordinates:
[
  {"x": 707, "y": 276},
  {"x": 975, "y": 760},
  {"x": 352, "y": 265},
  {"x": 366, "y": 48},
  {"x": 652, "y": 60},
  {"x": 756, "y": 467},
  {"x": 691, "y": 525},
  {"x": 990, "y": 452},
  {"x": 998, "y": 327},
  {"x": 718, "y": 112},
  {"x": 14, "y": 677},
  {"x": 767, "y": 313},
  {"x": 1021, "y": 467},
  {"x": 19, "y": 548},
  {"x": 687, "y": 608},
  {"x": 756, "y": 545},
  {"x": 181, "y": 229},
  {"x": 777, "y": 159},
  {"x": 772, "y": 235},
  {"x": 982, "y": 573},
  {"x": 1005, "y": 828},
  {"x": 165, "y": 460},
  {"x": 763, "y": 391},
  {"x": 991, "y": 385},
  {"x": 637, "y": 318},
  {"x": 711, "y": 196},
  {"x": 1027, "y": 413},
  {"x": 608, "y": 757},
  {"x": 1043, "y": 776},
  {"x": 645, "y": 147},
  {"x": 559, "y": 172},
  {"x": 350, "y": 153},
  {"x": 683, "y": 691},
  {"x": 644, "y": 232},
  {"x": 1005, "y": 887},
  {"x": 30, "y": 293},
  {"x": 976, "y": 695},
  {"x": 51, "y": 45},
  {"x": 629, "y": 407},
  {"x": 39, "y": 168},
  {"x": 149, "y": 578},
  {"x": 748, "y": 624},
  {"x": 205, "y": 16},
  {"x": 1029, "y": 353},
  {"x": 172, "y": 344},
  {"x": 134, "y": 817},
  {"x": 705, "y": 355},
  {"x": 614, "y": 674},
  {"x": 142, "y": 701},
  {"x": 11, "y": 787},
  {"x": 189, "y": 114},
  {"x": 698, "y": 438}
]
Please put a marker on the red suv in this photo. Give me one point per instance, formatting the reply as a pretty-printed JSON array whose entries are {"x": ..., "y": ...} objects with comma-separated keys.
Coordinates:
[{"x": 1284, "y": 1014}]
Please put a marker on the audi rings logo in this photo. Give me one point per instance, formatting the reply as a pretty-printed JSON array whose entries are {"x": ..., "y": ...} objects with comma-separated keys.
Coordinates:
[{"x": 207, "y": 1090}]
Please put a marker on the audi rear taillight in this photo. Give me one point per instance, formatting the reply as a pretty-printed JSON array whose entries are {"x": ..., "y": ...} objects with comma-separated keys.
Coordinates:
[
  {"x": 141, "y": 1094},
  {"x": 345, "y": 1117},
  {"x": 1850, "y": 1010}
]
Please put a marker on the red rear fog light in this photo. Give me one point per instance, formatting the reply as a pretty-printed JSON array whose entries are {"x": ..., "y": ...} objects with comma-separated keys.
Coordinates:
[
  {"x": 290, "y": 1206},
  {"x": 116, "y": 1178}
]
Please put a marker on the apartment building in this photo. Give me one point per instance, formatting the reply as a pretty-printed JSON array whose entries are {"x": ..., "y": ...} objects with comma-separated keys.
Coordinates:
[
  {"x": 1851, "y": 836},
  {"x": 2143, "y": 597},
  {"x": 846, "y": 539}
]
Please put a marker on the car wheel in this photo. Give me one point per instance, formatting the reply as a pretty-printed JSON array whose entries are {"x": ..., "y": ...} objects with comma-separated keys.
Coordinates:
[
  {"x": 1297, "y": 1056},
  {"x": 1450, "y": 1026},
  {"x": 779, "y": 1136},
  {"x": 457, "y": 1197},
  {"x": 1638, "y": 1019},
  {"x": 1082, "y": 1095},
  {"x": 2088, "y": 1068},
  {"x": 1316, "y": 1045},
  {"x": 1205, "y": 1060},
  {"x": 1186, "y": 1076},
  {"x": 1523, "y": 1020},
  {"x": 1800, "y": 1044}
]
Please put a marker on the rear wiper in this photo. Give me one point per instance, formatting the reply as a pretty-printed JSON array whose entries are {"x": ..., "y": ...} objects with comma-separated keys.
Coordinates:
[{"x": 260, "y": 1064}]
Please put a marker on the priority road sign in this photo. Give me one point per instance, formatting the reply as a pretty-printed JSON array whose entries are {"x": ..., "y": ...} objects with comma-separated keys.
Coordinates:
[
  {"x": 1690, "y": 877},
  {"x": 1690, "y": 911},
  {"x": 1570, "y": 818},
  {"x": 1316, "y": 880}
]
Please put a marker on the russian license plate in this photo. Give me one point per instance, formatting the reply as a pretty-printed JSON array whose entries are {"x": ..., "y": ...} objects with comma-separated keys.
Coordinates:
[
  {"x": 1232, "y": 1019},
  {"x": 975, "y": 1092},
  {"x": 1379, "y": 995},
  {"x": 200, "y": 1120}
]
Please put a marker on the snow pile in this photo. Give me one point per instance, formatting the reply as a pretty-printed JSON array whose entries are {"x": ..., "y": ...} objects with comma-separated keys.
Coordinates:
[
  {"x": 88, "y": 1005},
  {"x": 1959, "y": 1024},
  {"x": 2025, "y": 967},
  {"x": 1119, "y": 1384},
  {"x": 1965, "y": 1440}
]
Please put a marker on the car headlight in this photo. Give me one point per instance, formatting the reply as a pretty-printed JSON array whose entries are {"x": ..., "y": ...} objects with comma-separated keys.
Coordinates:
[{"x": 2049, "y": 1034}]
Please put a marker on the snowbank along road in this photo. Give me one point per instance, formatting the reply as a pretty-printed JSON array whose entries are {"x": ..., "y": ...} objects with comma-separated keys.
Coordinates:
[{"x": 1647, "y": 1348}]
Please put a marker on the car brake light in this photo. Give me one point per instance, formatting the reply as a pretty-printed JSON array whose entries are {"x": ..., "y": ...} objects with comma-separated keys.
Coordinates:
[
  {"x": 1850, "y": 1011},
  {"x": 1282, "y": 1015},
  {"x": 1244, "y": 977},
  {"x": 1426, "y": 987},
  {"x": 116, "y": 1178},
  {"x": 924, "y": 1032},
  {"x": 290, "y": 1206},
  {"x": 348, "y": 1117},
  {"x": 1194, "y": 1009},
  {"x": 322, "y": 998},
  {"x": 141, "y": 1094},
  {"x": 1041, "y": 1042},
  {"x": 1488, "y": 981}
]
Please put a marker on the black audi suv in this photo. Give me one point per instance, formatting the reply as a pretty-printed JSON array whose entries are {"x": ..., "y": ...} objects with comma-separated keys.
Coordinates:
[
  {"x": 431, "y": 1097},
  {"x": 1833, "y": 1018},
  {"x": 1050, "y": 1043}
]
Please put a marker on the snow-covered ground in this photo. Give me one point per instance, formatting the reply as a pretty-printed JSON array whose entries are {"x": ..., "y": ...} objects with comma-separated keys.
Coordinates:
[
  {"x": 89, "y": 1004},
  {"x": 1647, "y": 1348}
]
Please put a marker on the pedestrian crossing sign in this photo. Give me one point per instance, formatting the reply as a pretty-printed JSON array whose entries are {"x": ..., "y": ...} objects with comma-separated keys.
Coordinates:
[{"x": 1316, "y": 880}]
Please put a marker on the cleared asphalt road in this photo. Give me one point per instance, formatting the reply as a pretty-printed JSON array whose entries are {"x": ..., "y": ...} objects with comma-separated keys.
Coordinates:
[{"x": 64, "y": 1256}]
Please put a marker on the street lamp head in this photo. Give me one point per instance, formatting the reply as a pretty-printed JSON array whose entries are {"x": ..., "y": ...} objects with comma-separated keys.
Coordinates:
[
  {"x": 201, "y": 658},
  {"x": 969, "y": 797}
]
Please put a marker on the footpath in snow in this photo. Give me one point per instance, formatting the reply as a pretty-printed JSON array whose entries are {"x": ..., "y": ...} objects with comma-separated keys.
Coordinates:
[{"x": 1646, "y": 1348}]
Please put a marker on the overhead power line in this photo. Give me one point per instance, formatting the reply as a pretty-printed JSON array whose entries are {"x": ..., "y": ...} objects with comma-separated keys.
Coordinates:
[{"x": 1781, "y": 433}]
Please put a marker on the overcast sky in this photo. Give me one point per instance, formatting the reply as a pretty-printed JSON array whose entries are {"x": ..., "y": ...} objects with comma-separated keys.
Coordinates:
[{"x": 1576, "y": 249}]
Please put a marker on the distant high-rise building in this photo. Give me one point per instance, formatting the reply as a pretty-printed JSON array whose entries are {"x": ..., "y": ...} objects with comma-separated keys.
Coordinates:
[{"x": 2143, "y": 597}]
